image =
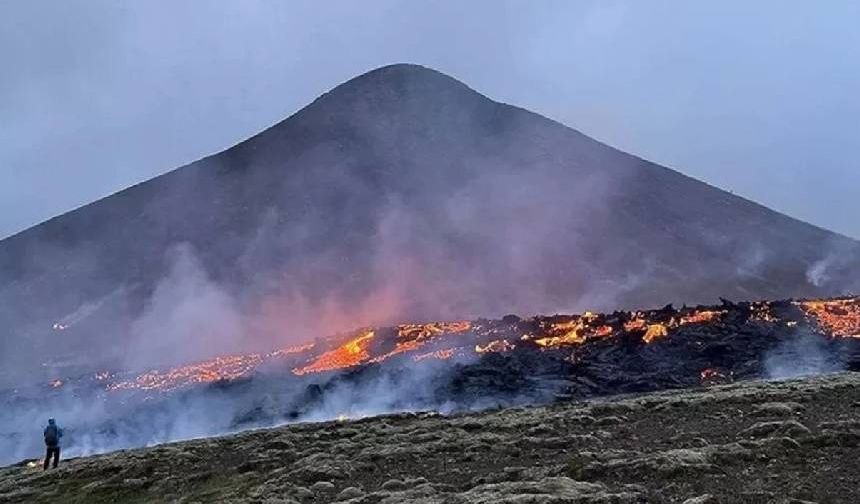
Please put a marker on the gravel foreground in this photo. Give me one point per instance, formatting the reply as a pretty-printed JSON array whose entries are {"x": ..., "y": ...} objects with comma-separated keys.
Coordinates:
[{"x": 754, "y": 442}]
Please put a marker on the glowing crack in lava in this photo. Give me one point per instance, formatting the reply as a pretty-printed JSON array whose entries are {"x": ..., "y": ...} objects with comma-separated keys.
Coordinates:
[
  {"x": 411, "y": 337},
  {"x": 463, "y": 339}
]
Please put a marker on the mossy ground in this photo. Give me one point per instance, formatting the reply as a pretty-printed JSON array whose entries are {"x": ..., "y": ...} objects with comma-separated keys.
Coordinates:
[{"x": 747, "y": 443}]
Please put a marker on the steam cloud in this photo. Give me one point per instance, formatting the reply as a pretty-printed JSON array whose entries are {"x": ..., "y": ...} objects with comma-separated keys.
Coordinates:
[
  {"x": 188, "y": 317},
  {"x": 803, "y": 355}
]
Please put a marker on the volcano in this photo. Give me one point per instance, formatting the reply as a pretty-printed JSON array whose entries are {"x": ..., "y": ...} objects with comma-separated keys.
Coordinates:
[{"x": 400, "y": 195}]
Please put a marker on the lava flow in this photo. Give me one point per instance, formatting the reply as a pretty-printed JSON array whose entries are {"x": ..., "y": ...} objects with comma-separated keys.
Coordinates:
[
  {"x": 837, "y": 318},
  {"x": 228, "y": 367},
  {"x": 351, "y": 353}
]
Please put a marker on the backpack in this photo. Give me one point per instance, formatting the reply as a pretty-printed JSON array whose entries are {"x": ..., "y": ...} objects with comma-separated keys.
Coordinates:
[{"x": 51, "y": 435}]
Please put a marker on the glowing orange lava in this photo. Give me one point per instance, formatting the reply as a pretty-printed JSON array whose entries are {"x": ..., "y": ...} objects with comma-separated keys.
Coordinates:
[
  {"x": 351, "y": 353},
  {"x": 424, "y": 331},
  {"x": 446, "y": 340},
  {"x": 839, "y": 317},
  {"x": 702, "y": 317},
  {"x": 411, "y": 337},
  {"x": 637, "y": 324},
  {"x": 228, "y": 367},
  {"x": 495, "y": 346},
  {"x": 654, "y": 332},
  {"x": 221, "y": 368},
  {"x": 574, "y": 331}
]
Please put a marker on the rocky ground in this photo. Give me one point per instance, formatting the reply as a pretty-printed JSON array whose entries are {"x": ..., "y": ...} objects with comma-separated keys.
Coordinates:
[{"x": 753, "y": 442}]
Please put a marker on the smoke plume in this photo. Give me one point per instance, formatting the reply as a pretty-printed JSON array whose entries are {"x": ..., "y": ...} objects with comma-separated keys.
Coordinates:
[{"x": 802, "y": 355}]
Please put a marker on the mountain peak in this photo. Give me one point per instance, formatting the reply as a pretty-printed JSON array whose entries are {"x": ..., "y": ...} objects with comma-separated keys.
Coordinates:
[
  {"x": 401, "y": 69},
  {"x": 399, "y": 85},
  {"x": 403, "y": 74}
]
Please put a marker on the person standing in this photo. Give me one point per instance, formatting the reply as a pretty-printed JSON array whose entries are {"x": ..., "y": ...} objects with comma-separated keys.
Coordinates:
[{"x": 52, "y": 433}]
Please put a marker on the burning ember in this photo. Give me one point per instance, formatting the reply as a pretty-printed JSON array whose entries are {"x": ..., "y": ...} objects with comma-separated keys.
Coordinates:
[{"x": 464, "y": 339}]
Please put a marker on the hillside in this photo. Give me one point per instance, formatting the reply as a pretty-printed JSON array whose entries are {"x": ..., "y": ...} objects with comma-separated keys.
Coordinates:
[
  {"x": 444, "y": 367},
  {"x": 399, "y": 195},
  {"x": 747, "y": 443}
]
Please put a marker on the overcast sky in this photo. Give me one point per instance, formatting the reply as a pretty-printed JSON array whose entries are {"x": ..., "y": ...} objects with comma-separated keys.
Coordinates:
[{"x": 760, "y": 98}]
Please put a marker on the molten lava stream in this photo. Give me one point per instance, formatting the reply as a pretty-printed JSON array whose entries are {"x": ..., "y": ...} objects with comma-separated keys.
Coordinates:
[
  {"x": 839, "y": 317},
  {"x": 351, "y": 353},
  {"x": 228, "y": 367}
]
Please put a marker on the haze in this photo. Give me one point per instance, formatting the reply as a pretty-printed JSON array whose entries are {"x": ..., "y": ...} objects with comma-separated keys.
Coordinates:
[{"x": 757, "y": 98}]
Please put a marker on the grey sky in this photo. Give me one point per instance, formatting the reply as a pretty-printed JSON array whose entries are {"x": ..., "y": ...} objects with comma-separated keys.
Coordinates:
[{"x": 755, "y": 97}]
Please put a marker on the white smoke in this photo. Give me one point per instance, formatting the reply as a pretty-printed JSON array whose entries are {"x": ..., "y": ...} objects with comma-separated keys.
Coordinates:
[
  {"x": 817, "y": 274},
  {"x": 188, "y": 317},
  {"x": 805, "y": 354},
  {"x": 836, "y": 266}
]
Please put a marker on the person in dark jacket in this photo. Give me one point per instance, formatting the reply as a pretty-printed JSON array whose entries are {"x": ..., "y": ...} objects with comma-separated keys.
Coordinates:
[{"x": 53, "y": 433}]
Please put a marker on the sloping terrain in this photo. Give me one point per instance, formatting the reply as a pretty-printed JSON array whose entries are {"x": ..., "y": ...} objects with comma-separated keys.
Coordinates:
[
  {"x": 746, "y": 443},
  {"x": 444, "y": 367},
  {"x": 399, "y": 195}
]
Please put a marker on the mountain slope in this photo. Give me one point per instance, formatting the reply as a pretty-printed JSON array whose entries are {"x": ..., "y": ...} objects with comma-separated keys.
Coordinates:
[{"x": 401, "y": 194}]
